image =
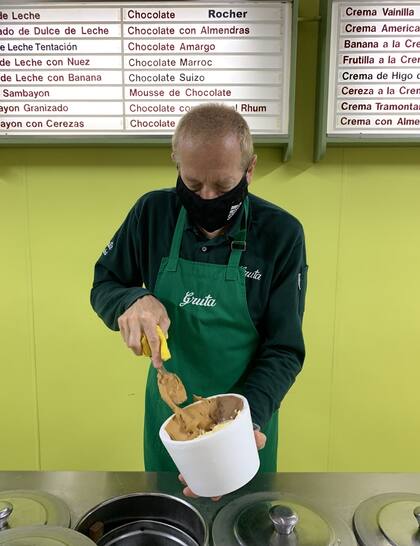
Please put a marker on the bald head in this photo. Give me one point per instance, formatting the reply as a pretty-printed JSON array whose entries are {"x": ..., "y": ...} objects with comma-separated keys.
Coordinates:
[{"x": 212, "y": 122}]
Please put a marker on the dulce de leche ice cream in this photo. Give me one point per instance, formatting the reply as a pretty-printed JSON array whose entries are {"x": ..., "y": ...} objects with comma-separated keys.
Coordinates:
[{"x": 205, "y": 416}]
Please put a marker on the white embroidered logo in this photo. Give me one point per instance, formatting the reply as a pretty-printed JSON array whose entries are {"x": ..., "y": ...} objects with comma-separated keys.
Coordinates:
[
  {"x": 189, "y": 298},
  {"x": 233, "y": 209},
  {"x": 108, "y": 247},
  {"x": 252, "y": 274}
]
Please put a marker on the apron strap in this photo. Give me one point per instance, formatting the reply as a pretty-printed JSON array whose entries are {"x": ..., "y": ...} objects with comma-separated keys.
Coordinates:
[
  {"x": 172, "y": 264},
  {"x": 237, "y": 247}
]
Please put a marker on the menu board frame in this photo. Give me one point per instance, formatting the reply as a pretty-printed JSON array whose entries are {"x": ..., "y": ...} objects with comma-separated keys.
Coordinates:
[
  {"x": 283, "y": 141},
  {"x": 324, "y": 102}
]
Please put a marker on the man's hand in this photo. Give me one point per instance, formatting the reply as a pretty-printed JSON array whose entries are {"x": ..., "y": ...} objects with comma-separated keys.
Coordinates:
[
  {"x": 260, "y": 440},
  {"x": 142, "y": 318}
]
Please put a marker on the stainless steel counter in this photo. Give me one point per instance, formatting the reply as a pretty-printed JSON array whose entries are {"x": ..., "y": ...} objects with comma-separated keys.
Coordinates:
[{"x": 338, "y": 492}]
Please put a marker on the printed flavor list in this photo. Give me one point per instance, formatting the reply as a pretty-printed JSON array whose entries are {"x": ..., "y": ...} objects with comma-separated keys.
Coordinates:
[
  {"x": 375, "y": 69},
  {"x": 112, "y": 69}
]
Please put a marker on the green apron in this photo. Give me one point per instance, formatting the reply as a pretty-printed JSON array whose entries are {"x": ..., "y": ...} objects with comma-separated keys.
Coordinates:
[{"x": 212, "y": 339}]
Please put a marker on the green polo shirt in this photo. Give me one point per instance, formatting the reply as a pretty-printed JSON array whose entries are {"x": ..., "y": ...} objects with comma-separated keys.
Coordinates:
[{"x": 275, "y": 270}]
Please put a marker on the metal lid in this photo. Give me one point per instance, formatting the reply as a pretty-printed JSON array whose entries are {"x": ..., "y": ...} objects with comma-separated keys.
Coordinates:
[
  {"x": 276, "y": 520},
  {"x": 389, "y": 519},
  {"x": 44, "y": 535},
  {"x": 281, "y": 519},
  {"x": 25, "y": 507}
]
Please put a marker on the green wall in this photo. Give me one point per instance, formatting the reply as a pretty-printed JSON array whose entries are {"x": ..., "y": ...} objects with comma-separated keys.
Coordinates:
[{"x": 71, "y": 394}]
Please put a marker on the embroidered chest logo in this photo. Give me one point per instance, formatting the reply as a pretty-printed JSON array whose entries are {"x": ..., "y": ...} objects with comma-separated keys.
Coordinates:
[
  {"x": 252, "y": 274},
  {"x": 189, "y": 298}
]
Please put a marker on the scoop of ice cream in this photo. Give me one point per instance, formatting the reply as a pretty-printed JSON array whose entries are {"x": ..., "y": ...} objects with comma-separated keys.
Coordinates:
[
  {"x": 171, "y": 388},
  {"x": 219, "y": 426},
  {"x": 203, "y": 417}
]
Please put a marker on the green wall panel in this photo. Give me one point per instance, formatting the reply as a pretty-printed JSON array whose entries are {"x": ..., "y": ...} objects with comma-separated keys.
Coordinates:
[
  {"x": 18, "y": 404},
  {"x": 375, "y": 417},
  {"x": 90, "y": 386}
]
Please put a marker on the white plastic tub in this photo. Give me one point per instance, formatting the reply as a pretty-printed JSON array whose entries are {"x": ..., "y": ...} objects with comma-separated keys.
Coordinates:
[{"x": 217, "y": 463}]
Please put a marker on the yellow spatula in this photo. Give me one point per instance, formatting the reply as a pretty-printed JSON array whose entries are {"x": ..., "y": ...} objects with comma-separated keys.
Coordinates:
[
  {"x": 173, "y": 385},
  {"x": 164, "y": 350}
]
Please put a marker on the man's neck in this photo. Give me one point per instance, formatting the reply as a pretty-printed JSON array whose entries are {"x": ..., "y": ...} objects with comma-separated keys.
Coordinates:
[{"x": 212, "y": 234}]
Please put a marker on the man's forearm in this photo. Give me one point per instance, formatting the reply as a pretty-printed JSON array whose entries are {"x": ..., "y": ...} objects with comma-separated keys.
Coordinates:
[
  {"x": 110, "y": 299},
  {"x": 268, "y": 382}
]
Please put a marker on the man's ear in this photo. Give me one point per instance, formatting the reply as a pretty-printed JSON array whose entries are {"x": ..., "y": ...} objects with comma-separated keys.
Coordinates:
[
  {"x": 173, "y": 157},
  {"x": 251, "y": 168}
]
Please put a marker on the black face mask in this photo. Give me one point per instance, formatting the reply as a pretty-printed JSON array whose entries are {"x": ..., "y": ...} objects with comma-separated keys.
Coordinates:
[{"x": 212, "y": 214}]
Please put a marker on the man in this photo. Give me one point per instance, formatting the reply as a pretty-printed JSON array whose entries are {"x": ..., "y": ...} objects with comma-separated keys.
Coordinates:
[{"x": 224, "y": 275}]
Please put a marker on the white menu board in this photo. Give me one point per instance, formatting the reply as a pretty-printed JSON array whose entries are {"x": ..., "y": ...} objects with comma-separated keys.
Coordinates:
[
  {"x": 135, "y": 69},
  {"x": 374, "y": 81}
]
